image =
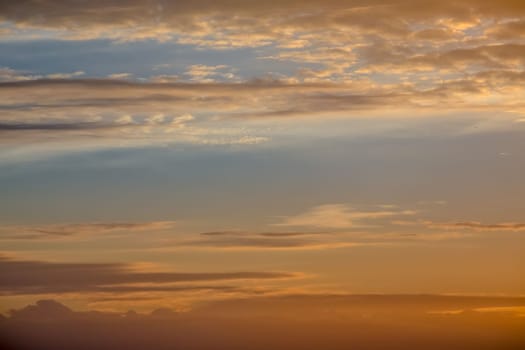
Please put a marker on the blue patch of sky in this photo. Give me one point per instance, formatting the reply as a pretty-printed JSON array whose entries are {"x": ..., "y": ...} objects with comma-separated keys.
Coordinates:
[
  {"x": 195, "y": 182},
  {"x": 143, "y": 59}
]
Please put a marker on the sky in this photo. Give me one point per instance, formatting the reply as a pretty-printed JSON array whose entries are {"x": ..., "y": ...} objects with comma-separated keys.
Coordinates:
[{"x": 215, "y": 155}]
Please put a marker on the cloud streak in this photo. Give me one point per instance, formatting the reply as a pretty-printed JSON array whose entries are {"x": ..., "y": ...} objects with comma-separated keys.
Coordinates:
[
  {"x": 40, "y": 277},
  {"x": 464, "y": 225},
  {"x": 476, "y": 226},
  {"x": 73, "y": 229},
  {"x": 266, "y": 241},
  {"x": 337, "y": 216}
]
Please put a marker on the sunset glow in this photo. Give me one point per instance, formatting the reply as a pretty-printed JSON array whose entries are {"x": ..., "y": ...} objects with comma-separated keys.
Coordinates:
[{"x": 241, "y": 174}]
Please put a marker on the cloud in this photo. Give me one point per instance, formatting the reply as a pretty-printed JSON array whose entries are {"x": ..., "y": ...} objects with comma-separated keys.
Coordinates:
[
  {"x": 463, "y": 225},
  {"x": 65, "y": 230},
  {"x": 143, "y": 19},
  {"x": 340, "y": 237},
  {"x": 353, "y": 58},
  {"x": 307, "y": 321},
  {"x": 345, "y": 40},
  {"x": 248, "y": 99},
  {"x": 507, "y": 30},
  {"x": 65, "y": 75},
  {"x": 107, "y": 113},
  {"x": 336, "y": 216},
  {"x": 476, "y": 226},
  {"x": 396, "y": 238},
  {"x": 262, "y": 234},
  {"x": 40, "y": 277},
  {"x": 517, "y": 310},
  {"x": 94, "y": 111},
  {"x": 120, "y": 75},
  {"x": 208, "y": 74},
  {"x": 245, "y": 240},
  {"x": 56, "y": 126},
  {"x": 329, "y": 33},
  {"x": 496, "y": 56},
  {"x": 8, "y": 74},
  {"x": 266, "y": 241}
]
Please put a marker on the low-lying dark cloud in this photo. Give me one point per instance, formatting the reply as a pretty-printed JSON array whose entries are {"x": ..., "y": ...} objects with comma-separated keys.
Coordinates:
[
  {"x": 38, "y": 277},
  {"x": 284, "y": 322}
]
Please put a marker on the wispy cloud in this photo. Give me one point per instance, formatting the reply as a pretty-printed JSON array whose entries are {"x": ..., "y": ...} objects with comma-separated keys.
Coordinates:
[
  {"x": 40, "y": 277},
  {"x": 269, "y": 241},
  {"x": 73, "y": 229},
  {"x": 463, "y": 225},
  {"x": 337, "y": 216},
  {"x": 83, "y": 114},
  {"x": 476, "y": 226}
]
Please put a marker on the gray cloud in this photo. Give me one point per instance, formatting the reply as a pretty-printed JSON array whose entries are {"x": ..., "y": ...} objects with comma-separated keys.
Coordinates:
[
  {"x": 72, "y": 229},
  {"x": 55, "y": 126},
  {"x": 477, "y": 226},
  {"x": 38, "y": 277},
  {"x": 267, "y": 240},
  {"x": 263, "y": 234}
]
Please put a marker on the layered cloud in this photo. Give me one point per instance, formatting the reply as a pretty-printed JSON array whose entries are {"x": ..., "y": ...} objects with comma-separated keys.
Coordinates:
[
  {"x": 329, "y": 226},
  {"x": 66, "y": 230},
  {"x": 40, "y": 277},
  {"x": 247, "y": 241},
  {"x": 159, "y": 19},
  {"x": 368, "y": 55},
  {"x": 465, "y": 225},
  {"x": 268, "y": 241}
]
